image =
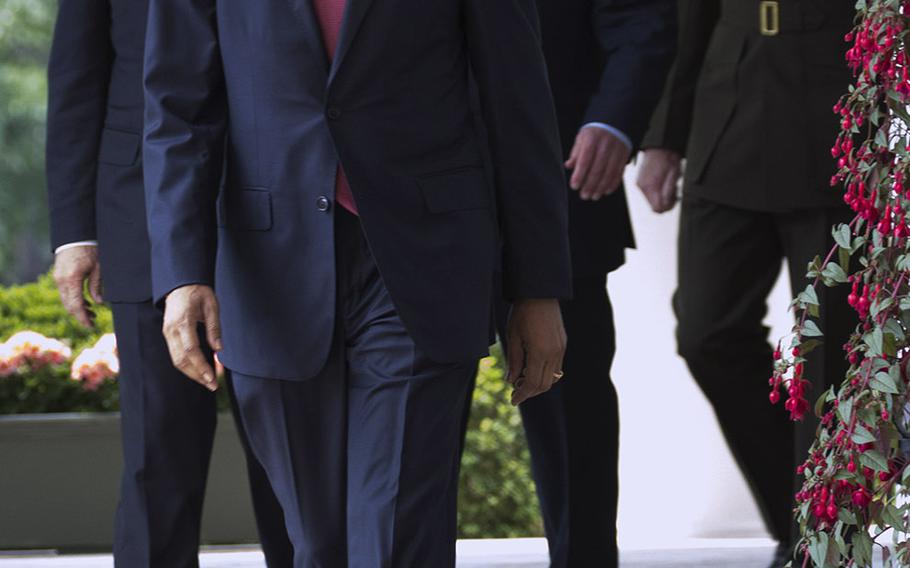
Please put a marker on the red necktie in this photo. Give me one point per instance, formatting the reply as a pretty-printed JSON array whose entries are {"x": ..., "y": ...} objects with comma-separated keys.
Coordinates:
[{"x": 330, "y": 14}]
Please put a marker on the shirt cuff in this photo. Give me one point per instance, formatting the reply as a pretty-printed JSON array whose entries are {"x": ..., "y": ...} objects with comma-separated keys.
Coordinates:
[
  {"x": 62, "y": 248},
  {"x": 612, "y": 130}
]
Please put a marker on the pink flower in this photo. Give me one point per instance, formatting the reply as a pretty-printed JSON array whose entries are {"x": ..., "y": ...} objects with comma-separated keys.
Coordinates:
[
  {"x": 10, "y": 361},
  {"x": 95, "y": 365},
  {"x": 37, "y": 350}
]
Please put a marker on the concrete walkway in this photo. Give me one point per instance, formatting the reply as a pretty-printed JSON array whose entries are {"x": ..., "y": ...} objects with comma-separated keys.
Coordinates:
[{"x": 511, "y": 553}]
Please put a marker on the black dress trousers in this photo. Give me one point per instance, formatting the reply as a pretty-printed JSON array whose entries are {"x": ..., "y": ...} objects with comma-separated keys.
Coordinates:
[{"x": 729, "y": 260}]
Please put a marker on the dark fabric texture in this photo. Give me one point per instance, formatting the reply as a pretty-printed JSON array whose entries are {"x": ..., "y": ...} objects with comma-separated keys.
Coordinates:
[
  {"x": 607, "y": 62},
  {"x": 752, "y": 113},
  {"x": 250, "y": 82},
  {"x": 364, "y": 457},
  {"x": 729, "y": 260},
  {"x": 94, "y": 134},
  {"x": 168, "y": 426}
]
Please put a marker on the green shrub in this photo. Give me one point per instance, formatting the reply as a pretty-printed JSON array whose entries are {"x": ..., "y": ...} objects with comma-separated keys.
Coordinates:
[{"x": 497, "y": 498}]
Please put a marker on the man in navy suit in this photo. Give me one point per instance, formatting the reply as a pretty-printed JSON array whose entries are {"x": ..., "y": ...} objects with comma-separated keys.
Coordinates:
[
  {"x": 607, "y": 62},
  {"x": 354, "y": 244},
  {"x": 94, "y": 174}
]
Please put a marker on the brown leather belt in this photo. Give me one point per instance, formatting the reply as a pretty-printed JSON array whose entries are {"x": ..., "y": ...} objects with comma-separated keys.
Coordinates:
[{"x": 771, "y": 17}]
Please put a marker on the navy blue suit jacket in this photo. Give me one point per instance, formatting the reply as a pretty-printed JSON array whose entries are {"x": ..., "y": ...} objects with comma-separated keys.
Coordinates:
[
  {"x": 608, "y": 61},
  {"x": 94, "y": 133},
  {"x": 246, "y": 88}
]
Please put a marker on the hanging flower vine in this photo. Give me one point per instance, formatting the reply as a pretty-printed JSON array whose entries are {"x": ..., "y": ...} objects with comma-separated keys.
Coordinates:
[{"x": 855, "y": 502}]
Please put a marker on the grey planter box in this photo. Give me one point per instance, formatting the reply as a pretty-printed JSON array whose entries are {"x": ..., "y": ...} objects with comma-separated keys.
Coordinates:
[{"x": 60, "y": 477}]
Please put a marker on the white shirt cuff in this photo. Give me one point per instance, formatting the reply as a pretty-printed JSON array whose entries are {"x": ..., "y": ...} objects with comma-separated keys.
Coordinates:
[
  {"x": 612, "y": 130},
  {"x": 62, "y": 248}
]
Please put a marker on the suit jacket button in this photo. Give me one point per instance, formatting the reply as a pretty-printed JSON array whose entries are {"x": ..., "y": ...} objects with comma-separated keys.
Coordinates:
[
  {"x": 334, "y": 113},
  {"x": 323, "y": 203}
]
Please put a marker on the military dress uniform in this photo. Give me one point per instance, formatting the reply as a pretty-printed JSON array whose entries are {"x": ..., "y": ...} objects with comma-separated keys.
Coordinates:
[{"x": 749, "y": 106}]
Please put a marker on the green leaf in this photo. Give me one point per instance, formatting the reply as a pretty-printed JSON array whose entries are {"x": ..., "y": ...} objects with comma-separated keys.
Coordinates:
[
  {"x": 842, "y": 235},
  {"x": 809, "y": 346},
  {"x": 847, "y": 516},
  {"x": 834, "y": 272},
  {"x": 862, "y": 548},
  {"x": 810, "y": 329},
  {"x": 845, "y": 409},
  {"x": 874, "y": 341},
  {"x": 874, "y": 459},
  {"x": 808, "y": 296},
  {"x": 883, "y": 382},
  {"x": 862, "y": 436},
  {"x": 879, "y": 307},
  {"x": 893, "y": 516},
  {"x": 818, "y": 548}
]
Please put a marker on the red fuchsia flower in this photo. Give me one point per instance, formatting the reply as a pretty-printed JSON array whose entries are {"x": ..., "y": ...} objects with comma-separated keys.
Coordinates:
[
  {"x": 37, "y": 350},
  {"x": 10, "y": 361},
  {"x": 97, "y": 364}
]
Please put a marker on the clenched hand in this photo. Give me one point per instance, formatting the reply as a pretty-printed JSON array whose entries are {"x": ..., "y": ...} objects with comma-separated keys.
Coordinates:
[
  {"x": 658, "y": 178},
  {"x": 536, "y": 346},
  {"x": 73, "y": 267},
  {"x": 185, "y": 308},
  {"x": 597, "y": 161}
]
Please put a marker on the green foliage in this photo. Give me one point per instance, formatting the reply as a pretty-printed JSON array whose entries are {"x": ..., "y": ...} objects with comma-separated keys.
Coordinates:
[
  {"x": 497, "y": 497},
  {"x": 37, "y": 307},
  {"x": 497, "y": 492},
  {"x": 25, "y": 39}
]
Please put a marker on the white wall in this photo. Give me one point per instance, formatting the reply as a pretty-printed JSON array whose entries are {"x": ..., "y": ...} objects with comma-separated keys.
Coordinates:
[{"x": 678, "y": 479}]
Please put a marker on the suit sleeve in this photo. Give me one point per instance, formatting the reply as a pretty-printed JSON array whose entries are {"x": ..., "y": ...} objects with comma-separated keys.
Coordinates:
[
  {"x": 672, "y": 119},
  {"x": 183, "y": 150},
  {"x": 520, "y": 120},
  {"x": 78, "y": 74},
  {"x": 638, "y": 38}
]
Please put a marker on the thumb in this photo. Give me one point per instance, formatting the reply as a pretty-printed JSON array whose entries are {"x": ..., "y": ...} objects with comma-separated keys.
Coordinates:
[
  {"x": 95, "y": 284},
  {"x": 573, "y": 157},
  {"x": 516, "y": 357},
  {"x": 212, "y": 323}
]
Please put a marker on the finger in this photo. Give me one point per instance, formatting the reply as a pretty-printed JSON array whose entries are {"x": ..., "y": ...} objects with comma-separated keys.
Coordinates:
[
  {"x": 94, "y": 284},
  {"x": 612, "y": 176},
  {"x": 183, "y": 344},
  {"x": 582, "y": 167},
  {"x": 212, "y": 324},
  {"x": 516, "y": 356},
  {"x": 573, "y": 156},
  {"x": 596, "y": 172},
  {"x": 668, "y": 190},
  {"x": 534, "y": 382},
  {"x": 74, "y": 302}
]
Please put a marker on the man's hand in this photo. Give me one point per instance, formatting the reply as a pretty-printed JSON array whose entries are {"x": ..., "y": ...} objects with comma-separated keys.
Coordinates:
[
  {"x": 658, "y": 178},
  {"x": 597, "y": 160},
  {"x": 185, "y": 308},
  {"x": 72, "y": 268},
  {"x": 537, "y": 344}
]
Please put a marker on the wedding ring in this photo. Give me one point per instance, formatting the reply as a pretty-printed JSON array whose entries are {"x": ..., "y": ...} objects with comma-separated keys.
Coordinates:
[{"x": 558, "y": 375}]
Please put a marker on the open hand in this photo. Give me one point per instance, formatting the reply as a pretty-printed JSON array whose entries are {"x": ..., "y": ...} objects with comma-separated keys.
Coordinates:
[
  {"x": 658, "y": 178},
  {"x": 73, "y": 267},
  {"x": 185, "y": 308},
  {"x": 536, "y": 346},
  {"x": 597, "y": 161}
]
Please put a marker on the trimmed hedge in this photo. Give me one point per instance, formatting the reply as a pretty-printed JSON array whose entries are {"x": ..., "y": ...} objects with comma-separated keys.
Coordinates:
[{"x": 497, "y": 498}]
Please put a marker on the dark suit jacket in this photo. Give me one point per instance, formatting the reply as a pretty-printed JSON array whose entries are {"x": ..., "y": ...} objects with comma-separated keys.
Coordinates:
[
  {"x": 94, "y": 126},
  {"x": 752, "y": 112},
  {"x": 394, "y": 109},
  {"x": 607, "y": 62}
]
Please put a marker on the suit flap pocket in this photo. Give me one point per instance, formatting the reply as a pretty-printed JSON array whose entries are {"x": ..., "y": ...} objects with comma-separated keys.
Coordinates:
[
  {"x": 245, "y": 210},
  {"x": 118, "y": 148},
  {"x": 455, "y": 190}
]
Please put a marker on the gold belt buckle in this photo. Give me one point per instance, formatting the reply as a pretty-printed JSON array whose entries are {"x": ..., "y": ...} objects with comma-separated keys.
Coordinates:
[{"x": 769, "y": 17}]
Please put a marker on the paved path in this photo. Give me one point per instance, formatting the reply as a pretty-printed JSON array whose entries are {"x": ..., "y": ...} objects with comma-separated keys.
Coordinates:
[{"x": 512, "y": 553}]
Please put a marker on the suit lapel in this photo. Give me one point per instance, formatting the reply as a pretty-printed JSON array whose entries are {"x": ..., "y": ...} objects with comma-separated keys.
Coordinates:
[
  {"x": 354, "y": 14},
  {"x": 312, "y": 33}
]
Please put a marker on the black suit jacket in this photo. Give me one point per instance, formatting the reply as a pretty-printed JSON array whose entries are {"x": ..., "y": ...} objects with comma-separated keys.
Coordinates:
[
  {"x": 752, "y": 112},
  {"x": 94, "y": 126},
  {"x": 607, "y": 62},
  {"x": 247, "y": 84}
]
